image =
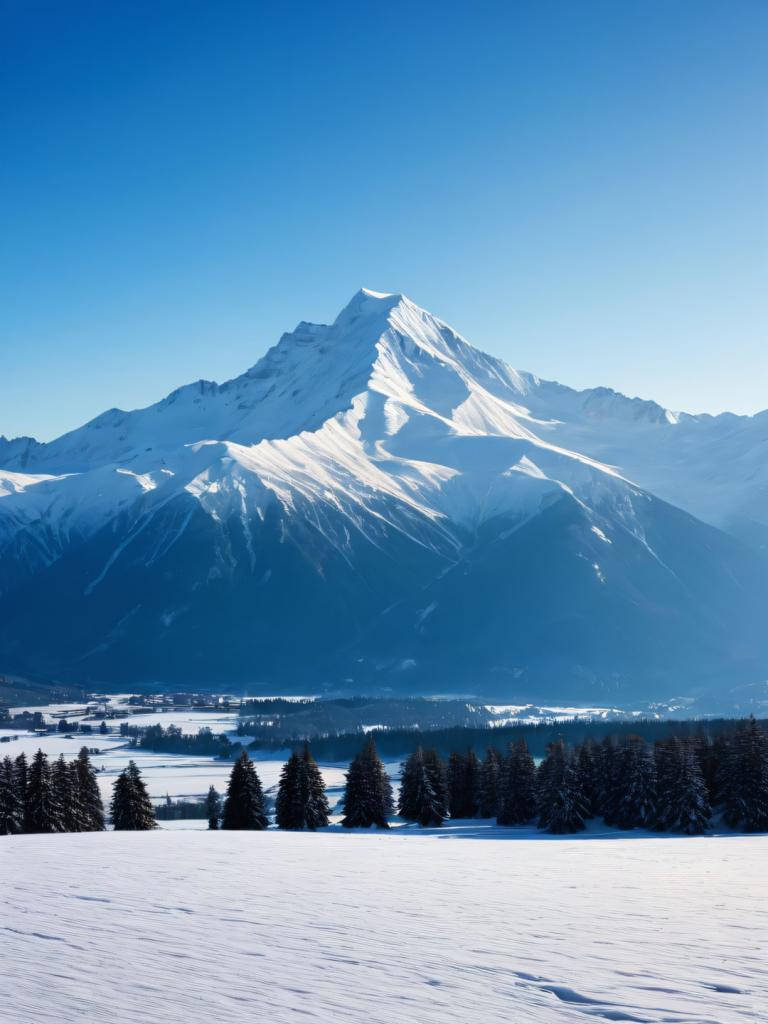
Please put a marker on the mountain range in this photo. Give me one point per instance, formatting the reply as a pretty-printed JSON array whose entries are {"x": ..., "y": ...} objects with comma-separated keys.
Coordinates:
[{"x": 378, "y": 506}]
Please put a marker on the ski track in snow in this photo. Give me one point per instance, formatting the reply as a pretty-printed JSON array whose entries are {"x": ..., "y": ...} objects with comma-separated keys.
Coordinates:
[{"x": 283, "y": 927}]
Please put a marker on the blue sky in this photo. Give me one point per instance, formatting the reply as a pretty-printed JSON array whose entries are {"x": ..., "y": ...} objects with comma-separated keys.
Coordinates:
[{"x": 579, "y": 187}]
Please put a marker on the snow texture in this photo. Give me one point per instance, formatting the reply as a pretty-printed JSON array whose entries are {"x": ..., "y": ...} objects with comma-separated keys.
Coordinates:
[{"x": 470, "y": 924}]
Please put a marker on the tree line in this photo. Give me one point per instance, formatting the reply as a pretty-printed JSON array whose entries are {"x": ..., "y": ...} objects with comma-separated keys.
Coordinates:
[
  {"x": 675, "y": 785},
  {"x": 395, "y": 742}
]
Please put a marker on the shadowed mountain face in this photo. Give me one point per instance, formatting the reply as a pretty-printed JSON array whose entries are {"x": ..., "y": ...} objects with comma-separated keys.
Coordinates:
[{"x": 377, "y": 506}]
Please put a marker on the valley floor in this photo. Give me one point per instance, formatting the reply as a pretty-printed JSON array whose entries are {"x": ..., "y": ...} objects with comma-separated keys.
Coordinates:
[{"x": 467, "y": 925}]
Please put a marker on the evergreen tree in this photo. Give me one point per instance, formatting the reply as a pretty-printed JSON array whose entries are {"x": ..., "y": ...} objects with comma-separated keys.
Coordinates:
[
  {"x": 463, "y": 784},
  {"x": 43, "y": 812},
  {"x": 683, "y": 802},
  {"x": 517, "y": 786},
  {"x": 608, "y": 790},
  {"x": 21, "y": 770},
  {"x": 636, "y": 804},
  {"x": 560, "y": 798},
  {"x": 368, "y": 793},
  {"x": 488, "y": 784},
  {"x": 11, "y": 808},
  {"x": 745, "y": 804},
  {"x": 418, "y": 799},
  {"x": 65, "y": 795},
  {"x": 213, "y": 807},
  {"x": 412, "y": 775},
  {"x": 588, "y": 757},
  {"x": 438, "y": 778},
  {"x": 301, "y": 800},
  {"x": 88, "y": 794},
  {"x": 244, "y": 804},
  {"x": 131, "y": 808},
  {"x": 103, "y": 729}
]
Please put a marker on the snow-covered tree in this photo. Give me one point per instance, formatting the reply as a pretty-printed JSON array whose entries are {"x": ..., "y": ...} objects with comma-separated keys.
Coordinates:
[
  {"x": 368, "y": 793},
  {"x": 244, "y": 806}
]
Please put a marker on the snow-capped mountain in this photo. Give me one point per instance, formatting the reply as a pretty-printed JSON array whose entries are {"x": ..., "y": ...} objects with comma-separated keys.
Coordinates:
[{"x": 378, "y": 505}]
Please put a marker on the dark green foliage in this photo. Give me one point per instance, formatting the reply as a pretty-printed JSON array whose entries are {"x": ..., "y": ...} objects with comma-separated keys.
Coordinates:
[
  {"x": 244, "y": 806},
  {"x": 131, "y": 808},
  {"x": 560, "y": 798},
  {"x": 368, "y": 794},
  {"x": 43, "y": 812},
  {"x": 745, "y": 780},
  {"x": 301, "y": 801},
  {"x": 636, "y": 785},
  {"x": 682, "y": 798},
  {"x": 488, "y": 784},
  {"x": 21, "y": 769},
  {"x": 517, "y": 787},
  {"x": 88, "y": 794},
  {"x": 589, "y": 761},
  {"x": 419, "y": 801},
  {"x": 463, "y": 784},
  {"x": 65, "y": 796},
  {"x": 11, "y": 807},
  {"x": 213, "y": 808}
]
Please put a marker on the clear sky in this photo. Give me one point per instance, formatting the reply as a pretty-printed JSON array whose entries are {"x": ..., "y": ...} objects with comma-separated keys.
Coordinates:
[{"x": 580, "y": 187}]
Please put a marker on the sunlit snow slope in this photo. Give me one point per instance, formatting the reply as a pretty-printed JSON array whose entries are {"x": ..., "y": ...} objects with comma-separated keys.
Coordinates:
[
  {"x": 377, "y": 504},
  {"x": 193, "y": 927}
]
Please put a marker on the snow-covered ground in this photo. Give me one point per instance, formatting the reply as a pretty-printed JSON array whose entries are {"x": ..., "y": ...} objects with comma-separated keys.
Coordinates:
[{"x": 449, "y": 928}]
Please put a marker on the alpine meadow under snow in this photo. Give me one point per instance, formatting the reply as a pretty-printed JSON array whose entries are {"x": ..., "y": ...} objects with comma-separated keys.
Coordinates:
[{"x": 377, "y": 505}]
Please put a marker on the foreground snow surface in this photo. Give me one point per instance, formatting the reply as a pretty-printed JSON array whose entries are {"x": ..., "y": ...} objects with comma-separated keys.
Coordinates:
[{"x": 471, "y": 924}]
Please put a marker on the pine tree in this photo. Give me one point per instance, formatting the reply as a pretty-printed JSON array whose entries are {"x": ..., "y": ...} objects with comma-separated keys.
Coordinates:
[
  {"x": 588, "y": 757},
  {"x": 560, "y": 798},
  {"x": 88, "y": 794},
  {"x": 316, "y": 808},
  {"x": 21, "y": 770},
  {"x": 65, "y": 796},
  {"x": 488, "y": 784},
  {"x": 43, "y": 812},
  {"x": 636, "y": 803},
  {"x": 608, "y": 790},
  {"x": 418, "y": 799},
  {"x": 11, "y": 808},
  {"x": 683, "y": 802},
  {"x": 213, "y": 807},
  {"x": 438, "y": 777},
  {"x": 517, "y": 786},
  {"x": 244, "y": 804},
  {"x": 745, "y": 803},
  {"x": 463, "y": 784},
  {"x": 368, "y": 793},
  {"x": 131, "y": 807},
  {"x": 301, "y": 800}
]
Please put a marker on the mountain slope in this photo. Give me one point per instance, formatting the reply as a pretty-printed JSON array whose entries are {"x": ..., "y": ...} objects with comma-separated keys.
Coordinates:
[{"x": 378, "y": 504}]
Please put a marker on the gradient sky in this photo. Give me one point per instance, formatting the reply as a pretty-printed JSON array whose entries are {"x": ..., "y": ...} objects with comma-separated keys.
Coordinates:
[{"x": 580, "y": 187}]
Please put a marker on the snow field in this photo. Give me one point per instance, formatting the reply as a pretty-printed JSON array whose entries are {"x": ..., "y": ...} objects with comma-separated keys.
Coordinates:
[{"x": 185, "y": 926}]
